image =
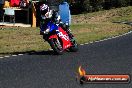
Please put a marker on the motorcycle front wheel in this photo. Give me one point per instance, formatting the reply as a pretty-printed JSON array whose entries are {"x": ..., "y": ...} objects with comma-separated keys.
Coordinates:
[
  {"x": 56, "y": 46},
  {"x": 74, "y": 47}
]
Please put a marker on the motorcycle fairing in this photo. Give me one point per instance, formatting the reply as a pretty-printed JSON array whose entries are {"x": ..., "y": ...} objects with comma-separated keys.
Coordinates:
[
  {"x": 64, "y": 37},
  {"x": 61, "y": 34}
]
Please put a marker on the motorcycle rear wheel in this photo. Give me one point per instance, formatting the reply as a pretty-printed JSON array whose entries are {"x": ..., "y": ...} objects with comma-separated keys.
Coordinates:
[{"x": 56, "y": 46}]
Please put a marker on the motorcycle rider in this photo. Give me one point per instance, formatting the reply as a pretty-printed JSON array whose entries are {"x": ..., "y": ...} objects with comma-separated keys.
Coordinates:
[
  {"x": 50, "y": 15},
  {"x": 47, "y": 15}
]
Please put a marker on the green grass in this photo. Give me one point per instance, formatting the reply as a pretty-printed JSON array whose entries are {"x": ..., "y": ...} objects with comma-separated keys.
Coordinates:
[
  {"x": 86, "y": 27},
  {"x": 21, "y": 40},
  {"x": 91, "y": 32},
  {"x": 118, "y": 14}
]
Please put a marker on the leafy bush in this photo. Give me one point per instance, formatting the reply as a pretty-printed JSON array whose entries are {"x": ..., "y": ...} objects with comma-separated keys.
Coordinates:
[{"x": 96, "y": 5}]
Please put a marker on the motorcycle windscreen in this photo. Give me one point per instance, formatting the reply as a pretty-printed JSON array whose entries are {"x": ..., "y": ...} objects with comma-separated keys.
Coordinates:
[
  {"x": 52, "y": 28},
  {"x": 65, "y": 38}
]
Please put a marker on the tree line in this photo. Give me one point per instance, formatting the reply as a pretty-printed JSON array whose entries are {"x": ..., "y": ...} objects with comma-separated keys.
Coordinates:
[{"x": 79, "y": 6}]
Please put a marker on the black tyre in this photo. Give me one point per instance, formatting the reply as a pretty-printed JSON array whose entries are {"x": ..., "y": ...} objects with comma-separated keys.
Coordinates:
[
  {"x": 56, "y": 46},
  {"x": 74, "y": 47}
]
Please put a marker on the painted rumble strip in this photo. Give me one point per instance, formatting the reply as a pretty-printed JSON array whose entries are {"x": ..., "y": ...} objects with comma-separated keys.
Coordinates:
[
  {"x": 14, "y": 55},
  {"x": 1, "y": 57},
  {"x": 80, "y": 44},
  {"x": 7, "y": 56},
  {"x": 107, "y": 38},
  {"x": 20, "y": 54}
]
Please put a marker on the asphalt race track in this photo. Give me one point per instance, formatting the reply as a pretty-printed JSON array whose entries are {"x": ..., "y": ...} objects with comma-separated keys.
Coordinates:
[{"x": 45, "y": 70}]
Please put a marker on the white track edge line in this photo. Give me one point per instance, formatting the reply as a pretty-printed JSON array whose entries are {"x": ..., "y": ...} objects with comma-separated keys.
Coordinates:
[{"x": 107, "y": 38}]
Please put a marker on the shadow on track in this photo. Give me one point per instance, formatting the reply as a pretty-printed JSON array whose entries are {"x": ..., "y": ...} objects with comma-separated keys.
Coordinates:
[
  {"x": 41, "y": 53},
  {"x": 48, "y": 52}
]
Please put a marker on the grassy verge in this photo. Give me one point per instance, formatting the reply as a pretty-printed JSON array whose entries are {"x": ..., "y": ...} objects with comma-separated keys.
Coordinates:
[
  {"x": 85, "y": 27},
  {"x": 118, "y": 14},
  {"x": 99, "y": 25},
  {"x": 21, "y": 40},
  {"x": 91, "y": 32}
]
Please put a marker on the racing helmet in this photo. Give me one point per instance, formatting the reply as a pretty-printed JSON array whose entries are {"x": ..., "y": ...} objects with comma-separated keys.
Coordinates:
[{"x": 44, "y": 9}]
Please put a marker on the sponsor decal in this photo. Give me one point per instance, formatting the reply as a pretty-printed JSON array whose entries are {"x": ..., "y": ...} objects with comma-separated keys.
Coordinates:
[{"x": 65, "y": 37}]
